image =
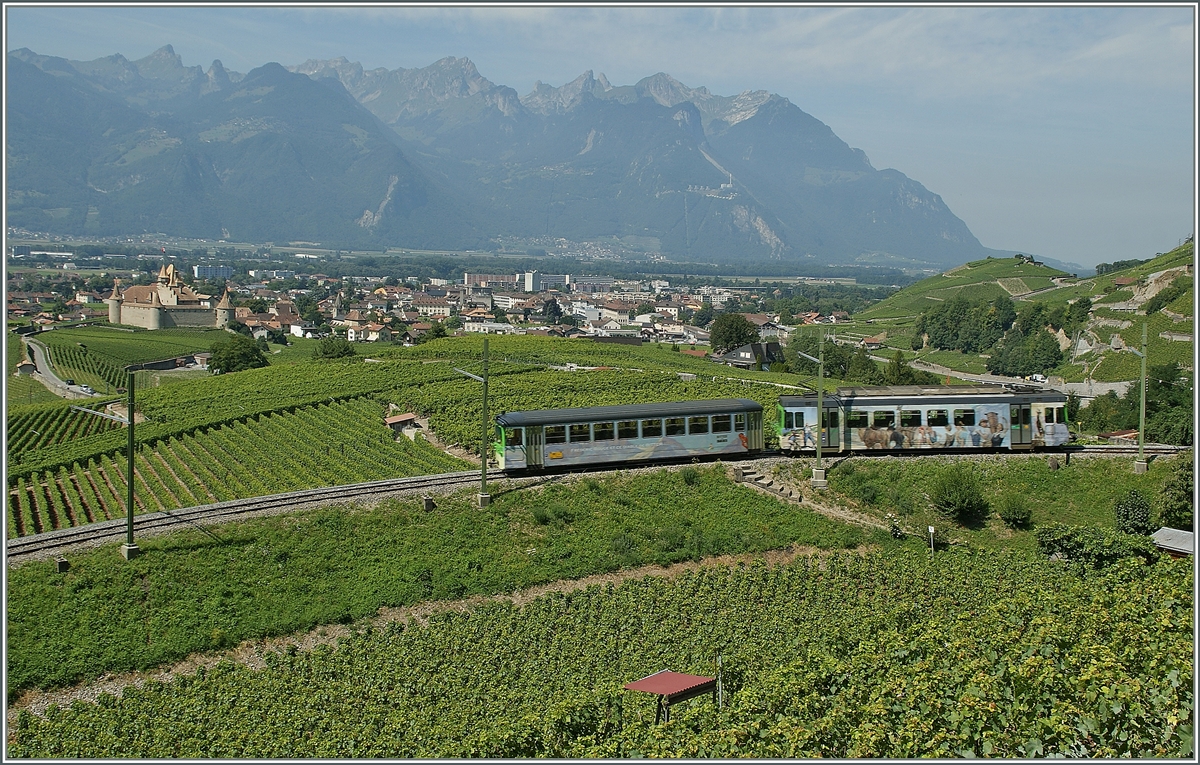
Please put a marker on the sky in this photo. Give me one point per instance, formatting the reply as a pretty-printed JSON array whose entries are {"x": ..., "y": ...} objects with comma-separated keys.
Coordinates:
[{"x": 1066, "y": 132}]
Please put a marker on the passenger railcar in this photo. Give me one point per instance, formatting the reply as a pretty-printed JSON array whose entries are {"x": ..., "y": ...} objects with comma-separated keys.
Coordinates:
[
  {"x": 563, "y": 438},
  {"x": 951, "y": 417}
]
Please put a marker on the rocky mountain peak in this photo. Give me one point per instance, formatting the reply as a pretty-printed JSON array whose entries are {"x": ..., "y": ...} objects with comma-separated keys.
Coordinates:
[
  {"x": 669, "y": 91},
  {"x": 547, "y": 99}
]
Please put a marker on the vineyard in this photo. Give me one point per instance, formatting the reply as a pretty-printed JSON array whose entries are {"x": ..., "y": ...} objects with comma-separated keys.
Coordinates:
[
  {"x": 205, "y": 589},
  {"x": 67, "y": 471},
  {"x": 98, "y": 355},
  {"x": 535, "y": 350},
  {"x": 321, "y": 445},
  {"x": 884, "y": 655},
  {"x": 39, "y": 425}
]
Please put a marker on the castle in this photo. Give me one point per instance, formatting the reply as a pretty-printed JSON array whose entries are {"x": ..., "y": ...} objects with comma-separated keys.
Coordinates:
[{"x": 168, "y": 303}]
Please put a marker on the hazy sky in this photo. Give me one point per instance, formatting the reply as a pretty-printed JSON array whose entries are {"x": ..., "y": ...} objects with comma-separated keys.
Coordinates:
[{"x": 1065, "y": 132}]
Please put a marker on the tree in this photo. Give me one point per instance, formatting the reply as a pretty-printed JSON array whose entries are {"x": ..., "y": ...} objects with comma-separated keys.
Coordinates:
[
  {"x": 552, "y": 311},
  {"x": 256, "y": 305},
  {"x": 897, "y": 371},
  {"x": 702, "y": 316},
  {"x": 334, "y": 348},
  {"x": 642, "y": 309},
  {"x": 732, "y": 330},
  {"x": 1133, "y": 514},
  {"x": 1175, "y": 502},
  {"x": 236, "y": 354}
]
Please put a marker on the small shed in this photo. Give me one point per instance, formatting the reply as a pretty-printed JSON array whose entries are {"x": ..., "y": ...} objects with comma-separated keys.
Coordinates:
[
  {"x": 26, "y": 368},
  {"x": 1174, "y": 542},
  {"x": 673, "y": 687},
  {"x": 399, "y": 422}
]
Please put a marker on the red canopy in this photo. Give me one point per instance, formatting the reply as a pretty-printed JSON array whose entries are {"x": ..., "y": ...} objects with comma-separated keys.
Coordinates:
[{"x": 673, "y": 685}]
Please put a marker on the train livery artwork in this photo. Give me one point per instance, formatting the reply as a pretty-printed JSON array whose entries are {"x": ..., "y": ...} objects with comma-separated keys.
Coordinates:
[
  {"x": 915, "y": 417},
  {"x": 554, "y": 438},
  {"x": 909, "y": 417}
]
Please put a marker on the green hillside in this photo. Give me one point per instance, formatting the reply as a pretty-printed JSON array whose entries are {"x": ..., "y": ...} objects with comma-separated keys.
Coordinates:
[
  {"x": 1118, "y": 308},
  {"x": 979, "y": 279}
]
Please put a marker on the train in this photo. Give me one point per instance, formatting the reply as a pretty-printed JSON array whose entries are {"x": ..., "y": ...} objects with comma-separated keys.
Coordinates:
[{"x": 904, "y": 418}]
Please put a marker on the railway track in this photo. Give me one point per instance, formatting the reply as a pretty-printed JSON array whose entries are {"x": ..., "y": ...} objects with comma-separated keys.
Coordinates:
[{"x": 51, "y": 543}]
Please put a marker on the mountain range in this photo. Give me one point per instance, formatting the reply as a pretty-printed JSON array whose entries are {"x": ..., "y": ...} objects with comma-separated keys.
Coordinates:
[{"x": 442, "y": 158}]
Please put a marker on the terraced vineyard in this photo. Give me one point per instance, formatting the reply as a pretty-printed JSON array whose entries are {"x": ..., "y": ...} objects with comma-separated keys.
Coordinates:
[{"x": 321, "y": 445}]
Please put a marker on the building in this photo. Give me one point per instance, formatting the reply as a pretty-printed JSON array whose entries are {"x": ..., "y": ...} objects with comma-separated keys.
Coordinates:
[
  {"x": 167, "y": 303},
  {"x": 212, "y": 272},
  {"x": 752, "y": 355}
]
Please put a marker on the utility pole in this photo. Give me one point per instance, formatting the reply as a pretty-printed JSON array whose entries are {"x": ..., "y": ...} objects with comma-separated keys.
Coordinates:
[
  {"x": 1140, "y": 465},
  {"x": 484, "y": 498},
  {"x": 129, "y": 550},
  {"x": 818, "y": 478}
]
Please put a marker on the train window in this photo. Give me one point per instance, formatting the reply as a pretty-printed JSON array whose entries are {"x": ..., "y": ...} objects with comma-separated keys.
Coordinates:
[
  {"x": 857, "y": 419},
  {"x": 651, "y": 428},
  {"x": 831, "y": 418},
  {"x": 698, "y": 424},
  {"x": 1061, "y": 414},
  {"x": 910, "y": 418},
  {"x": 937, "y": 417},
  {"x": 787, "y": 421},
  {"x": 722, "y": 423},
  {"x": 883, "y": 419},
  {"x": 964, "y": 416},
  {"x": 627, "y": 429},
  {"x": 581, "y": 433},
  {"x": 739, "y": 423},
  {"x": 675, "y": 426},
  {"x": 1049, "y": 416},
  {"x": 514, "y": 436},
  {"x": 556, "y": 434},
  {"x": 603, "y": 431}
]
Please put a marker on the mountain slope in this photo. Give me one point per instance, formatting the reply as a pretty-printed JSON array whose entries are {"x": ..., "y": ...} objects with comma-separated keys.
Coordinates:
[
  {"x": 441, "y": 157},
  {"x": 275, "y": 156}
]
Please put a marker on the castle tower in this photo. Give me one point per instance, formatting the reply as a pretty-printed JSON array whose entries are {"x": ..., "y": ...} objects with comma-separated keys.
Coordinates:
[
  {"x": 114, "y": 304},
  {"x": 156, "y": 312},
  {"x": 224, "y": 311}
]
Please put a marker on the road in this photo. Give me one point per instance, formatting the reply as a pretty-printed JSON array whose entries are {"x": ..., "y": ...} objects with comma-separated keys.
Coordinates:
[{"x": 37, "y": 353}]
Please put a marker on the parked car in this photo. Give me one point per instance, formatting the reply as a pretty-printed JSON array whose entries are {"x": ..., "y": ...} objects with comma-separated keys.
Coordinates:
[
  {"x": 69, "y": 382},
  {"x": 87, "y": 389}
]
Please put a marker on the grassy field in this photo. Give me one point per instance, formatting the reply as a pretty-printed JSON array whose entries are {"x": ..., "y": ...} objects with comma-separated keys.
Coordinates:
[
  {"x": 211, "y": 588},
  {"x": 1081, "y": 493},
  {"x": 980, "y": 279}
]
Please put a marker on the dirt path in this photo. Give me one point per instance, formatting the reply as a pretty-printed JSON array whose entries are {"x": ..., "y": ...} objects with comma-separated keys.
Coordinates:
[{"x": 251, "y": 652}]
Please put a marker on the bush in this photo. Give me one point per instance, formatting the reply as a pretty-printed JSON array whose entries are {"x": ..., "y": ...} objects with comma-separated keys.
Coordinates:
[
  {"x": 334, "y": 348},
  {"x": 1175, "y": 510},
  {"x": 1093, "y": 546},
  {"x": 1015, "y": 512},
  {"x": 1133, "y": 514},
  {"x": 691, "y": 476},
  {"x": 956, "y": 493}
]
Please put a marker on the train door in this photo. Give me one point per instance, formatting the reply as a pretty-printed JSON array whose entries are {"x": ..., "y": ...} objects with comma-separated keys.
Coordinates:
[
  {"x": 754, "y": 431},
  {"x": 535, "y": 447},
  {"x": 829, "y": 428},
  {"x": 1021, "y": 426}
]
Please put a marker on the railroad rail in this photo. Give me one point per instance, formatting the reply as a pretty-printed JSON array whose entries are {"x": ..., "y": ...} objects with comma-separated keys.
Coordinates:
[{"x": 50, "y": 543}]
